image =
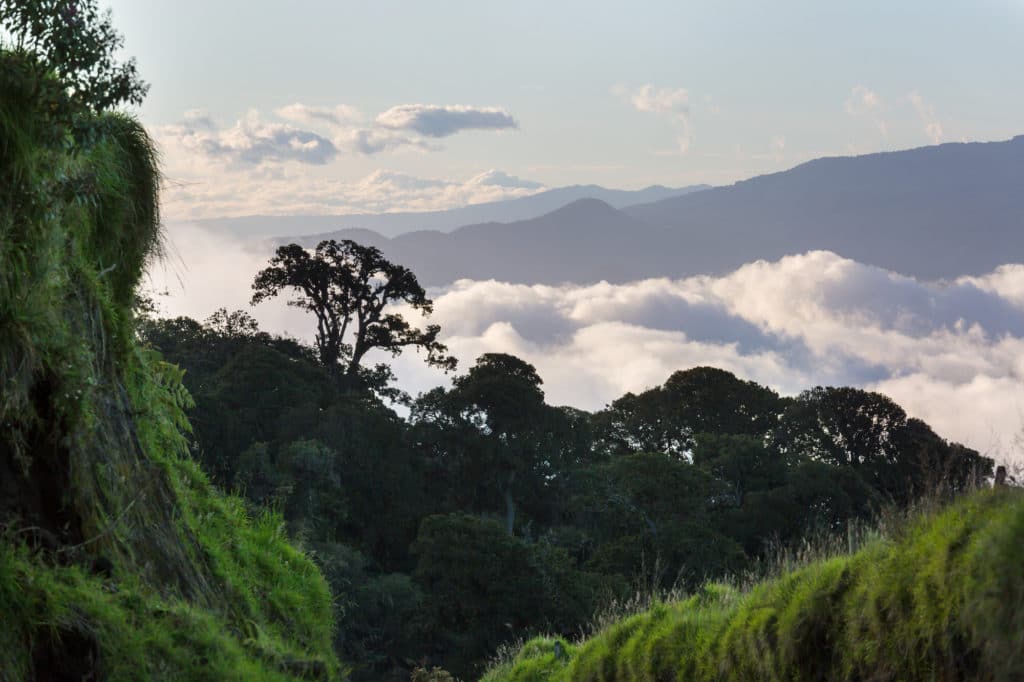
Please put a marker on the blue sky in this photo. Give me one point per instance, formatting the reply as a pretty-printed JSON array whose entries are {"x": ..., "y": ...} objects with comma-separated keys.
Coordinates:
[{"x": 621, "y": 94}]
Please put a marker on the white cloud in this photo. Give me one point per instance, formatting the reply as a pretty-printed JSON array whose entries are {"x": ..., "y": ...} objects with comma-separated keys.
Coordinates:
[
  {"x": 255, "y": 166},
  {"x": 661, "y": 100},
  {"x": 497, "y": 178},
  {"x": 218, "y": 192},
  {"x": 926, "y": 112},
  {"x": 199, "y": 118},
  {"x": 864, "y": 102},
  {"x": 370, "y": 141},
  {"x": 441, "y": 121},
  {"x": 1007, "y": 281},
  {"x": 671, "y": 102},
  {"x": 249, "y": 142}
]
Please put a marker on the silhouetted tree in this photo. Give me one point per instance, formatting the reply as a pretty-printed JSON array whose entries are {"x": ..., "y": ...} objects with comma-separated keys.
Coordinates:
[
  {"x": 868, "y": 432},
  {"x": 349, "y": 288},
  {"x": 700, "y": 400}
]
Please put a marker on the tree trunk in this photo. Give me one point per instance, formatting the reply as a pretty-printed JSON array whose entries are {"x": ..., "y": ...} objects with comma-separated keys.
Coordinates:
[{"x": 510, "y": 506}]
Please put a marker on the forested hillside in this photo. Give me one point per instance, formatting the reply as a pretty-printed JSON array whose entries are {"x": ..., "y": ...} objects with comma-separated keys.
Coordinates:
[{"x": 488, "y": 515}]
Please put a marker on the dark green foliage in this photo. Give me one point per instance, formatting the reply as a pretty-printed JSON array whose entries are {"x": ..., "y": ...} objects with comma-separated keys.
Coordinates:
[
  {"x": 500, "y": 445},
  {"x": 481, "y": 586},
  {"x": 900, "y": 457},
  {"x": 700, "y": 400},
  {"x": 77, "y": 42},
  {"x": 357, "y": 481},
  {"x": 377, "y": 612},
  {"x": 943, "y": 601},
  {"x": 647, "y": 508}
]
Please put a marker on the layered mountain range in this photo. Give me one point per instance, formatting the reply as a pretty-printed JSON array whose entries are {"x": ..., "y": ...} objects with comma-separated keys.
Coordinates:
[
  {"x": 394, "y": 224},
  {"x": 933, "y": 212}
]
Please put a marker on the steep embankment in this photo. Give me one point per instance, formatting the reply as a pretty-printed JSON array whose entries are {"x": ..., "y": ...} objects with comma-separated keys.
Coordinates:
[
  {"x": 118, "y": 560},
  {"x": 943, "y": 601}
]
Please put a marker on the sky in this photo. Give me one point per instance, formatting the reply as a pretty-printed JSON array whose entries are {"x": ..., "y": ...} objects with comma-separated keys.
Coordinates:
[
  {"x": 305, "y": 108},
  {"x": 317, "y": 107}
]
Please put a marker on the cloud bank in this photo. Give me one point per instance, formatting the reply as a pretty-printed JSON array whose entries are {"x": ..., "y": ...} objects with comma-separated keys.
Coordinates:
[
  {"x": 258, "y": 191},
  {"x": 281, "y": 165},
  {"x": 327, "y": 131},
  {"x": 951, "y": 353}
]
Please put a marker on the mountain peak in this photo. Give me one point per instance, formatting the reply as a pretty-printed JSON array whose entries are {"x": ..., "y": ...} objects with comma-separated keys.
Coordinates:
[{"x": 587, "y": 205}]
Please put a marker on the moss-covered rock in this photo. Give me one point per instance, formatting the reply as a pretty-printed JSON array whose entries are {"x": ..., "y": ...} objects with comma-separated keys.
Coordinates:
[
  {"x": 943, "y": 601},
  {"x": 118, "y": 559}
]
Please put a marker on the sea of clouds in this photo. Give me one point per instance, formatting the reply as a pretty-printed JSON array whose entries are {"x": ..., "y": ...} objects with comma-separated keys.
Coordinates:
[{"x": 952, "y": 353}]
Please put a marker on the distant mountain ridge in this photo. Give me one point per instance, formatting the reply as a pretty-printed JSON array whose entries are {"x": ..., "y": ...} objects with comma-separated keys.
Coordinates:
[
  {"x": 931, "y": 212},
  {"x": 394, "y": 224}
]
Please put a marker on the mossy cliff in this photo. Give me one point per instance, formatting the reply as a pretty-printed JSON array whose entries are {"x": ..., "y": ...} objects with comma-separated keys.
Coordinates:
[
  {"x": 117, "y": 557},
  {"x": 942, "y": 601}
]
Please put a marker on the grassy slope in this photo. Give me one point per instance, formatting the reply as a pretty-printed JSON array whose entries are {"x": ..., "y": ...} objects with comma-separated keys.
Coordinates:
[
  {"x": 944, "y": 601},
  {"x": 118, "y": 559}
]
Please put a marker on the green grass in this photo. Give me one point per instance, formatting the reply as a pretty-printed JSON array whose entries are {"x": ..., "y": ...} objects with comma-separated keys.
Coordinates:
[
  {"x": 942, "y": 600},
  {"x": 133, "y": 632},
  {"x": 118, "y": 559}
]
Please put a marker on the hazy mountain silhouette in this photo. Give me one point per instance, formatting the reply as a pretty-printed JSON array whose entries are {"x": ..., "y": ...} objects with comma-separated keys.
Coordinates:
[
  {"x": 392, "y": 224},
  {"x": 931, "y": 212},
  {"x": 587, "y": 240}
]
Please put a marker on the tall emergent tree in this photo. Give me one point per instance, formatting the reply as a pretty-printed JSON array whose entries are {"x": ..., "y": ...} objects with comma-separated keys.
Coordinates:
[{"x": 351, "y": 289}]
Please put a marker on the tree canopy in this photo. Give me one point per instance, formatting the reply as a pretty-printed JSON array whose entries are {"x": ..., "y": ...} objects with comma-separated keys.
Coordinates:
[
  {"x": 78, "y": 42},
  {"x": 489, "y": 513},
  {"x": 352, "y": 290}
]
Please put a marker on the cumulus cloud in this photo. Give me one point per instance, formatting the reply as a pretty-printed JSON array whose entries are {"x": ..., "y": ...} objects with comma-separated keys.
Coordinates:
[
  {"x": 327, "y": 131},
  {"x": 249, "y": 142},
  {"x": 671, "y": 102},
  {"x": 866, "y": 103},
  {"x": 926, "y": 112},
  {"x": 368, "y": 141},
  {"x": 951, "y": 353},
  {"x": 441, "y": 121},
  {"x": 497, "y": 178},
  {"x": 256, "y": 165},
  {"x": 862, "y": 100},
  {"x": 337, "y": 116},
  {"x": 199, "y": 119},
  {"x": 1006, "y": 281}
]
